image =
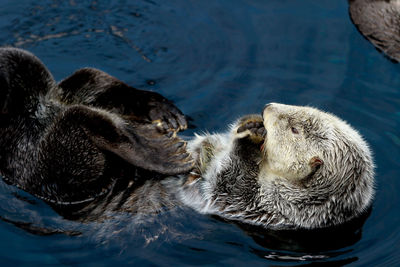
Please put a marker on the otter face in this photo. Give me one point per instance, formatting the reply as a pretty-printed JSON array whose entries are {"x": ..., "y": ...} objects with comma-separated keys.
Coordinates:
[{"x": 295, "y": 140}]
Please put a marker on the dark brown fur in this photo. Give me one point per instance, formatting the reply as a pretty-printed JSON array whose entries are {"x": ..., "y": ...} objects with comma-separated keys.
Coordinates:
[{"x": 72, "y": 143}]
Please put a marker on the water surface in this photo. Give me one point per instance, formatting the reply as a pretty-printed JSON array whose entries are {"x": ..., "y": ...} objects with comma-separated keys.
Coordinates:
[{"x": 217, "y": 60}]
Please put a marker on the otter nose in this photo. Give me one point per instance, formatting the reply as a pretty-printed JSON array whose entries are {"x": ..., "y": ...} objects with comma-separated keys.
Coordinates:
[{"x": 265, "y": 107}]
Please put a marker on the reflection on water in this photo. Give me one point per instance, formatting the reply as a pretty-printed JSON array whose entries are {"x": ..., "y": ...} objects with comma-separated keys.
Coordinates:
[{"x": 217, "y": 60}]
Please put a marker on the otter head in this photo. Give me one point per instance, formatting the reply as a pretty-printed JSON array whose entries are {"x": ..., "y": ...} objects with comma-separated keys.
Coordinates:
[
  {"x": 320, "y": 166},
  {"x": 295, "y": 142}
]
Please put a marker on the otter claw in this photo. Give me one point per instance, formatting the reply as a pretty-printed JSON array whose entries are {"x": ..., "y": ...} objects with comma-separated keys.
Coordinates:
[
  {"x": 170, "y": 134},
  {"x": 173, "y": 123},
  {"x": 260, "y": 131},
  {"x": 258, "y": 124}
]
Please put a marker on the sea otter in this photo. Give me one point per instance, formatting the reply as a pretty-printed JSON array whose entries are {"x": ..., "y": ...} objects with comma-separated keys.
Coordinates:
[
  {"x": 379, "y": 22},
  {"x": 88, "y": 145},
  {"x": 70, "y": 142},
  {"x": 291, "y": 167}
]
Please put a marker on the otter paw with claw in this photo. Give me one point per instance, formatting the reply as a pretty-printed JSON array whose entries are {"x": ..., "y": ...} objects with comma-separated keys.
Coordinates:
[{"x": 252, "y": 128}]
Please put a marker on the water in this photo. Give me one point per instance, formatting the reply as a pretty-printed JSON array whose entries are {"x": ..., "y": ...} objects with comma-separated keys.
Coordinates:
[{"x": 216, "y": 60}]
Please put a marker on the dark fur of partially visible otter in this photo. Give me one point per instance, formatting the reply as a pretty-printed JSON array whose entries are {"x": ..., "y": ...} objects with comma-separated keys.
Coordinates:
[
  {"x": 379, "y": 22},
  {"x": 72, "y": 142}
]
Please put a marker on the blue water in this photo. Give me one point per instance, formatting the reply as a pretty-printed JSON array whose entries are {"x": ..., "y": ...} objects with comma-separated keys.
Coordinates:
[{"x": 216, "y": 60}]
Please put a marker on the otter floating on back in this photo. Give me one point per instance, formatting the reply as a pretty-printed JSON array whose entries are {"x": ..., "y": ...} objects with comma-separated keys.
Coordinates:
[
  {"x": 291, "y": 167},
  {"x": 92, "y": 144}
]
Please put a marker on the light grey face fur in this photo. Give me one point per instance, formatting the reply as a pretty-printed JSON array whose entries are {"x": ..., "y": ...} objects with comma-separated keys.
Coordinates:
[{"x": 312, "y": 170}]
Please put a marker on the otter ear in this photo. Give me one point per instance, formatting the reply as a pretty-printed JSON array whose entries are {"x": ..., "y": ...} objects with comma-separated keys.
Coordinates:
[{"x": 316, "y": 162}]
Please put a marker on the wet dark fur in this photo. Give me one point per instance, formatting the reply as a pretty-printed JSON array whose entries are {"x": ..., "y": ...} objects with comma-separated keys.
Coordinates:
[
  {"x": 379, "y": 22},
  {"x": 98, "y": 89},
  {"x": 239, "y": 192},
  {"x": 75, "y": 142}
]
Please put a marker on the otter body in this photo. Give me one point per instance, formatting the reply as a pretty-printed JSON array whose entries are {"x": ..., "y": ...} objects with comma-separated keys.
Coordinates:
[{"x": 309, "y": 170}]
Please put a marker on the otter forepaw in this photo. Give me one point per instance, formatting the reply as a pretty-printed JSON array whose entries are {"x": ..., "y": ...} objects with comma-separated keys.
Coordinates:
[
  {"x": 253, "y": 128},
  {"x": 256, "y": 128}
]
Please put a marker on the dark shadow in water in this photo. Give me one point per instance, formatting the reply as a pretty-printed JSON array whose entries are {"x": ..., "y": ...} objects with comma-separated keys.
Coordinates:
[
  {"x": 37, "y": 230},
  {"x": 318, "y": 245},
  {"x": 329, "y": 263}
]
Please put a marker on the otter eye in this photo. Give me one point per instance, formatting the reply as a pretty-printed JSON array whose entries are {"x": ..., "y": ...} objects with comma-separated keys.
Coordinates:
[{"x": 295, "y": 131}]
